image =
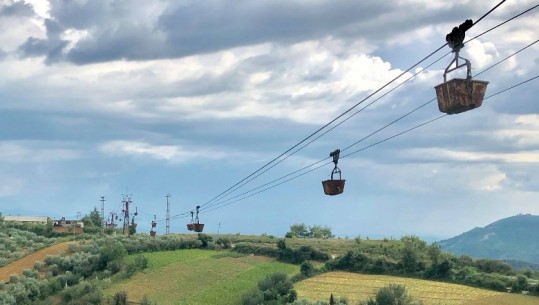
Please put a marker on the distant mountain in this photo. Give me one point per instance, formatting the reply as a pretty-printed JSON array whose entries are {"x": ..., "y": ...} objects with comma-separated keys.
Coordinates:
[{"x": 510, "y": 239}]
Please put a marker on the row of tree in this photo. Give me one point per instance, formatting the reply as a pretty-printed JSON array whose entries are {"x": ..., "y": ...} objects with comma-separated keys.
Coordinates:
[{"x": 300, "y": 230}]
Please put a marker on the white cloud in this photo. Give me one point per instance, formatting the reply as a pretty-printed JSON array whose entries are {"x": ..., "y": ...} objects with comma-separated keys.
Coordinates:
[
  {"x": 481, "y": 54},
  {"x": 171, "y": 153},
  {"x": 34, "y": 151},
  {"x": 445, "y": 154}
]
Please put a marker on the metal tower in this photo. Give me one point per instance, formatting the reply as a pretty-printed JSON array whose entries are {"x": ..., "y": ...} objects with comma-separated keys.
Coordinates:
[
  {"x": 102, "y": 214},
  {"x": 167, "y": 224},
  {"x": 126, "y": 201}
]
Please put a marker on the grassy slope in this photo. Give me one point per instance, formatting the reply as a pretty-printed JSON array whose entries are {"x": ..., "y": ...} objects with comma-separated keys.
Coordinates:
[
  {"x": 198, "y": 277},
  {"x": 360, "y": 286}
]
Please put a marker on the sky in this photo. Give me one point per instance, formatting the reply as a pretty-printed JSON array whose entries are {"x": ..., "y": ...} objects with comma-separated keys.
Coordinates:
[{"x": 187, "y": 98}]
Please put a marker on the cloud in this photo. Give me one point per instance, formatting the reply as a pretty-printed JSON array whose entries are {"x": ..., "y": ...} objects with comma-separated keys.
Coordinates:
[
  {"x": 19, "y": 8},
  {"x": 116, "y": 30},
  {"x": 29, "y": 151},
  {"x": 171, "y": 153},
  {"x": 439, "y": 154},
  {"x": 104, "y": 94}
]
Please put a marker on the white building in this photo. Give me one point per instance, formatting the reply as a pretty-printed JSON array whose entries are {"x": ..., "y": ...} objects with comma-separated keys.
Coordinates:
[{"x": 27, "y": 219}]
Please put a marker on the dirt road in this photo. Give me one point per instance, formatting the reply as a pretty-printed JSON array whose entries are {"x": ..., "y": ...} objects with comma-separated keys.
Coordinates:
[{"x": 28, "y": 261}]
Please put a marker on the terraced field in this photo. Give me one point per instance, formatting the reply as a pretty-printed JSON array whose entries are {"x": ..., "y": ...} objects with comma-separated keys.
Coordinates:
[
  {"x": 357, "y": 287},
  {"x": 198, "y": 277}
]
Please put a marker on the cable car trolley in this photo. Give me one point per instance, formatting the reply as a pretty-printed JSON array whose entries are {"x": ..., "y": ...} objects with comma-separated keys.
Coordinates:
[
  {"x": 459, "y": 95},
  {"x": 195, "y": 224},
  {"x": 190, "y": 226},
  {"x": 334, "y": 186},
  {"x": 154, "y": 224}
]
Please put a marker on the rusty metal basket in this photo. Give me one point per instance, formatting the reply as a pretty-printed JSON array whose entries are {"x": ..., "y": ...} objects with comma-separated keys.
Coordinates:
[
  {"x": 459, "y": 95},
  {"x": 190, "y": 226},
  {"x": 198, "y": 227},
  {"x": 333, "y": 187}
]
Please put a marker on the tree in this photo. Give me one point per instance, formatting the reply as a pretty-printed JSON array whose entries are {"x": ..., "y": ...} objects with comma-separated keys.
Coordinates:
[
  {"x": 307, "y": 269},
  {"x": 299, "y": 230},
  {"x": 275, "y": 289},
  {"x": 320, "y": 232},
  {"x": 120, "y": 298},
  {"x": 391, "y": 295},
  {"x": 93, "y": 219},
  {"x": 111, "y": 250},
  {"x": 302, "y": 231}
]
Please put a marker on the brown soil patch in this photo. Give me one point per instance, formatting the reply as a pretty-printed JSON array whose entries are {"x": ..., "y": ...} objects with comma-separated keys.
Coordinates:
[{"x": 28, "y": 261}]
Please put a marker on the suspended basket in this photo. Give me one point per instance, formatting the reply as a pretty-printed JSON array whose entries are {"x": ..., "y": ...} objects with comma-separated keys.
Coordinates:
[
  {"x": 190, "y": 226},
  {"x": 152, "y": 233},
  {"x": 459, "y": 95},
  {"x": 334, "y": 186},
  {"x": 198, "y": 227}
]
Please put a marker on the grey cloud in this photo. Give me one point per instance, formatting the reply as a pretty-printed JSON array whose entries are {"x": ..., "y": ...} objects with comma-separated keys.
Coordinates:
[
  {"x": 123, "y": 30},
  {"x": 19, "y": 8},
  {"x": 53, "y": 46},
  {"x": 214, "y": 25},
  {"x": 37, "y": 47}
]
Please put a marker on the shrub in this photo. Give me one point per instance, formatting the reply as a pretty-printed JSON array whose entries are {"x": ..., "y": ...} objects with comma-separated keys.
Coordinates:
[
  {"x": 275, "y": 289},
  {"x": 223, "y": 243},
  {"x": 13, "y": 279},
  {"x": 29, "y": 273},
  {"x": 38, "y": 266},
  {"x": 120, "y": 298},
  {"x": 391, "y": 295},
  {"x": 83, "y": 293}
]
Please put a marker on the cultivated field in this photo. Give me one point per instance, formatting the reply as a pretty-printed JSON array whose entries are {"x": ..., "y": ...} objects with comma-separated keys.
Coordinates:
[
  {"x": 357, "y": 287},
  {"x": 198, "y": 277}
]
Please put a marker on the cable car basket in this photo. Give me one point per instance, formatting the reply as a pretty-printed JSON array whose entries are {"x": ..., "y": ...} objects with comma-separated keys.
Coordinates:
[
  {"x": 334, "y": 186},
  {"x": 190, "y": 226},
  {"x": 198, "y": 227},
  {"x": 459, "y": 95}
]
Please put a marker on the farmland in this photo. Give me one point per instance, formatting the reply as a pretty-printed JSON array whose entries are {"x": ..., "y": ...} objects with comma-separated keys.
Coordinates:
[
  {"x": 356, "y": 287},
  {"x": 198, "y": 277}
]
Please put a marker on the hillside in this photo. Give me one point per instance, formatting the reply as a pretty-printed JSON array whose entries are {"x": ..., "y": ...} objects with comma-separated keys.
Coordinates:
[
  {"x": 512, "y": 238},
  {"x": 27, "y": 262},
  {"x": 198, "y": 277}
]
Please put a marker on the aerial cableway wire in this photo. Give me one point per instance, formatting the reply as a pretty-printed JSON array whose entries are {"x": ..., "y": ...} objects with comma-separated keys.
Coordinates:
[
  {"x": 516, "y": 16},
  {"x": 372, "y": 133},
  {"x": 328, "y": 130},
  {"x": 234, "y": 187},
  {"x": 252, "y": 177},
  {"x": 237, "y": 185},
  {"x": 365, "y": 148}
]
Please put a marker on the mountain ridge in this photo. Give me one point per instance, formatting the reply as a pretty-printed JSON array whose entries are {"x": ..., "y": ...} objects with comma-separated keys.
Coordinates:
[{"x": 515, "y": 238}]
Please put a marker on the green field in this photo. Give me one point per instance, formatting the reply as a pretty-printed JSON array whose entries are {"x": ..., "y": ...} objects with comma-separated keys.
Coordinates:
[
  {"x": 357, "y": 287},
  {"x": 198, "y": 277}
]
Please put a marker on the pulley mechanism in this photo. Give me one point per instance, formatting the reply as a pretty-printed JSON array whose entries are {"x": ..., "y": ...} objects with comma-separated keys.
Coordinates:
[
  {"x": 154, "y": 224},
  {"x": 334, "y": 186}
]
